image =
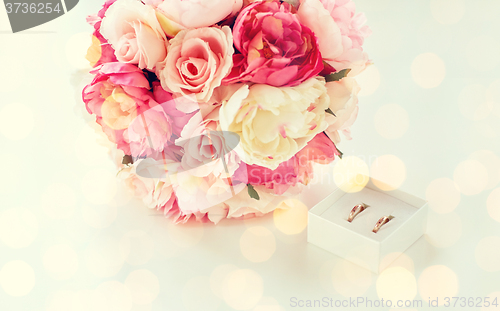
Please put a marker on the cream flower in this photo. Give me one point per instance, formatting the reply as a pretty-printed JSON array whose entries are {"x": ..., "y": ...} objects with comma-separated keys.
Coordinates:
[
  {"x": 197, "y": 194},
  {"x": 176, "y": 15},
  {"x": 156, "y": 193},
  {"x": 344, "y": 104},
  {"x": 274, "y": 123}
]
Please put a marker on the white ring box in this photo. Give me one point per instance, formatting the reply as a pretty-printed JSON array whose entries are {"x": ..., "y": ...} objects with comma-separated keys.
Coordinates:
[{"x": 329, "y": 229}]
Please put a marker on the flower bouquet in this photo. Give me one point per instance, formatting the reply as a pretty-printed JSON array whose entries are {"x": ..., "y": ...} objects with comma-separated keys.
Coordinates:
[{"x": 220, "y": 107}]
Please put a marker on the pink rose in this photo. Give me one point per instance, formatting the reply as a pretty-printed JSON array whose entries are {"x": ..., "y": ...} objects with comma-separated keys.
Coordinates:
[
  {"x": 275, "y": 48},
  {"x": 339, "y": 30},
  {"x": 134, "y": 32},
  {"x": 344, "y": 104},
  {"x": 116, "y": 96},
  {"x": 197, "y": 61},
  {"x": 176, "y": 15}
]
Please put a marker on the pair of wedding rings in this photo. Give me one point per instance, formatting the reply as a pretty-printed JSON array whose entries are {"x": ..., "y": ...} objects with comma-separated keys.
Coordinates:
[{"x": 361, "y": 207}]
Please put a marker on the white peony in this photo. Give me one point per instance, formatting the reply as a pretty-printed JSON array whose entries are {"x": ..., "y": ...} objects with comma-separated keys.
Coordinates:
[
  {"x": 274, "y": 123},
  {"x": 344, "y": 104}
]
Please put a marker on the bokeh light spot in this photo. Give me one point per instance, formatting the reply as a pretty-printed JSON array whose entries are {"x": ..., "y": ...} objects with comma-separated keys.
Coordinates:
[
  {"x": 493, "y": 204},
  {"x": 438, "y": 282},
  {"x": 491, "y": 307},
  {"x": 388, "y": 172},
  {"x": 351, "y": 174},
  {"x": 18, "y": 227},
  {"x": 491, "y": 162},
  {"x": 290, "y": 216},
  {"x": 471, "y": 177},
  {"x": 443, "y": 195},
  {"x": 218, "y": 276},
  {"x": 257, "y": 244},
  {"x": 368, "y": 80},
  {"x": 396, "y": 283},
  {"x": 61, "y": 261},
  {"x": 428, "y": 70},
  {"x": 488, "y": 253},
  {"x": 398, "y": 259},
  {"x": 17, "y": 278},
  {"x": 243, "y": 289},
  {"x": 144, "y": 286}
]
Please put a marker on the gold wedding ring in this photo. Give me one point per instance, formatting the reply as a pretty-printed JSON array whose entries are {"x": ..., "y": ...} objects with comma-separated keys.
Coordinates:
[
  {"x": 356, "y": 210},
  {"x": 382, "y": 221}
]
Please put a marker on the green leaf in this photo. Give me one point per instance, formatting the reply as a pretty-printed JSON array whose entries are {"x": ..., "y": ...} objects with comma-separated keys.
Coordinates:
[
  {"x": 294, "y": 3},
  {"x": 252, "y": 192},
  {"x": 330, "y": 112},
  {"x": 341, "y": 153},
  {"x": 337, "y": 76}
]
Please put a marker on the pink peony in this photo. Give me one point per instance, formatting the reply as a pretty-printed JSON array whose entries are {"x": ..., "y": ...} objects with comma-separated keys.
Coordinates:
[
  {"x": 280, "y": 179},
  {"x": 276, "y": 49},
  {"x": 197, "y": 61},
  {"x": 149, "y": 133},
  {"x": 204, "y": 147},
  {"x": 320, "y": 150},
  {"x": 178, "y": 116},
  {"x": 100, "y": 51},
  {"x": 118, "y": 93},
  {"x": 176, "y": 15},
  {"x": 298, "y": 169},
  {"x": 339, "y": 30},
  {"x": 135, "y": 33}
]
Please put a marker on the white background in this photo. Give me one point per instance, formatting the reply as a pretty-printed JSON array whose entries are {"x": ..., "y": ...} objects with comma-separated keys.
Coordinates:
[{"x": 71, "y": 238}]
